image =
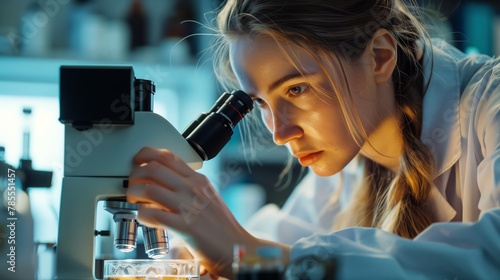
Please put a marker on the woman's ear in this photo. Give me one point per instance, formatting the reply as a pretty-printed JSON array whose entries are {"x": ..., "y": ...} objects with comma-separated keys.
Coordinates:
[{"x": 382, "y": 48}]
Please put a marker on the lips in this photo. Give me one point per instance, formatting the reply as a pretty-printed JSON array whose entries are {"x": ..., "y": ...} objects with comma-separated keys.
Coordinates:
[{"x": 308, "y": 159}]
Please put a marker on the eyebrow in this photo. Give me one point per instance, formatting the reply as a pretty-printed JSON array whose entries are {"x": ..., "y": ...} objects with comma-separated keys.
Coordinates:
[{"x": 283, "y": 79}]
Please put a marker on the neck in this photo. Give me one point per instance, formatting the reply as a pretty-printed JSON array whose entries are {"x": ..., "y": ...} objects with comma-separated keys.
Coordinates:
[{"x": 385, "y": 144}]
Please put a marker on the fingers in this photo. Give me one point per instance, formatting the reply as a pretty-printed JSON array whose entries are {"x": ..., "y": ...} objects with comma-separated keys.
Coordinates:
[
  {"x": 153, "y": 217},
  {"x": 157, "y": 197},
  {"x": 207, "y": 275},
  {"x": 163, "y": 180},
  {"x": 203, "y": 270},
  {"x": 156, "y": 173},
  {"x": 163, "y": 156}
]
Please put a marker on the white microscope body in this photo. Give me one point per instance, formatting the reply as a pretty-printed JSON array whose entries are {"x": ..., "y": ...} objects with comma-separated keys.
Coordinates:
[
  {"x": 98, "y": 171},
  {"x": 99, "y": 151}
]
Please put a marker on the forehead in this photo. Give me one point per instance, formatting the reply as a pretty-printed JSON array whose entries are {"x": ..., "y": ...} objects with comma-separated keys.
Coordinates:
[
  {"x": 258, "y": 59},
  {"x": 258, "y": 43}
]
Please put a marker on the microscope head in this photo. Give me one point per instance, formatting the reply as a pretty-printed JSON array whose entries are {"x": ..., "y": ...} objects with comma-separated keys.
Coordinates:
[{"x": 98, "y": 103}]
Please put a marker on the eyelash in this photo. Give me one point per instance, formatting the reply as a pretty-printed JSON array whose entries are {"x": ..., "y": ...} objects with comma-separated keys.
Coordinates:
[
  {"x": 303, "y": 86},
  {"x": 260, "y": 102}
]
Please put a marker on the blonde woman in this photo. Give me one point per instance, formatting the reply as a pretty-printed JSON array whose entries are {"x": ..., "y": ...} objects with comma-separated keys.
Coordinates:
[{"x": 352, "y": 88}]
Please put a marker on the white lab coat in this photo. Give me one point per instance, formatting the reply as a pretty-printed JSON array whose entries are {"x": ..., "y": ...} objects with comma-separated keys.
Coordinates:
[{"x": 461, "y": 126}]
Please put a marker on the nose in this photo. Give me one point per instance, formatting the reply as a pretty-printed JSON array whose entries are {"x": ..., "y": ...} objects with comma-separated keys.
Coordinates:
[{"x": 285, "y": 128}]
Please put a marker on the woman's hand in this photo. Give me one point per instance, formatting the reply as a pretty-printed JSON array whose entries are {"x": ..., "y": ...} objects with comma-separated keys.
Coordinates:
[{"x": 174, "y": 196}]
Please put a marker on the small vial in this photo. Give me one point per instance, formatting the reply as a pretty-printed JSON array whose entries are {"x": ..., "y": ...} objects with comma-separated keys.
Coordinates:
[
  {"x": 243, "y": 263},
  {"x": 269, "y": 265},
  {"x": 238, "y": 255},
  {"x": 265, "y": 265},
  {"x": 26, "y": 132},
  {"x": 2, "y": 153}
]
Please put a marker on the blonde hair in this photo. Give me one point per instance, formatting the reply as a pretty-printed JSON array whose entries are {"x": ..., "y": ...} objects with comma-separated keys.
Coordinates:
[{"x": 339, "y": 31}]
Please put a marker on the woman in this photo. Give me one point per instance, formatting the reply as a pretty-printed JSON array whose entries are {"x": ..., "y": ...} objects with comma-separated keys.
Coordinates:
[{"x": 352, "y": 83}]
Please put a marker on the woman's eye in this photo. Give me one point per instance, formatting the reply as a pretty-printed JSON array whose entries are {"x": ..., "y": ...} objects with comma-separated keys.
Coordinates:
[
  {"x": 297, "y": 90},
  {"x": 259, "y": 101}
]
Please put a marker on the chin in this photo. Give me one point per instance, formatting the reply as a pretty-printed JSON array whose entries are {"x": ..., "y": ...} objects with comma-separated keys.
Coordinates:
[{"x": 324, "y": 171}]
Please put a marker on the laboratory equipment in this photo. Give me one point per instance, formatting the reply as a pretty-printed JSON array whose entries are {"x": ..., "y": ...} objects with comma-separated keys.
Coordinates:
[{"x": 108, "y": 117}]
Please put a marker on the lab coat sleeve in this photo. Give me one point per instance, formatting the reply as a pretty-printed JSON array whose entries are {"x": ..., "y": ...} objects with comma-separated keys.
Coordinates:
[
  {"x": 442, "y": 251},
  {"x": 295, "y": 220},
  {"x": 313, "y": 207},
  {"x": 271, "y": 223}
]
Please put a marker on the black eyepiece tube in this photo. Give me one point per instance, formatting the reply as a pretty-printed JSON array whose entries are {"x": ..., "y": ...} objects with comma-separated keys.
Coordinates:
[
  {"x": 144, "y": 91},
  {"x": 215, "y": 129},
  {"x": 192, "y": 126}
]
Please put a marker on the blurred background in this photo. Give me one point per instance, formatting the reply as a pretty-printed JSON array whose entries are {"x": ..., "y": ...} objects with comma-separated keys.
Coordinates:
[{"x": 38, "y": 36}]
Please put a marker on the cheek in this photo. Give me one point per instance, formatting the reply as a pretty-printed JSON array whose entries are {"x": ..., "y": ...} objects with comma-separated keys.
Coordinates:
[{"x": 267, "y": 118}]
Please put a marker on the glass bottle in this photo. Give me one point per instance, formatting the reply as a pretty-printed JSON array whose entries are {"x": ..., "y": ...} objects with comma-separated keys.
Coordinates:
[
  {"x": 27, "y": 119},
  {"x": 265, "y": 265},
  {"x": 269, "y": 265},
  {"x": 241, "y": 268},
  {"x": 2, "y": 153}
]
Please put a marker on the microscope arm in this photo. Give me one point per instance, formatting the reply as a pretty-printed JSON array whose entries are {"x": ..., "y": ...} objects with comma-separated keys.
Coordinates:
[{"x": 107, "y": 150}]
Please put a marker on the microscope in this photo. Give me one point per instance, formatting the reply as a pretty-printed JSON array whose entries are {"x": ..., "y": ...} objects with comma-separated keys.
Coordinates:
[{"x": 108, "y": 117}]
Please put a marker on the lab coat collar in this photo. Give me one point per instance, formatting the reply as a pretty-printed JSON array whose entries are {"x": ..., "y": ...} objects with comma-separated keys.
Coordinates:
[
  {"x": 438, "y": 208},
  {"x": 441, "y": 128}
]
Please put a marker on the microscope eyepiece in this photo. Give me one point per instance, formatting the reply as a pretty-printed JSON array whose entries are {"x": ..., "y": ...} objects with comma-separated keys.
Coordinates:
[
  {"x": 212, "y": 130},
  {"x": 144, "y": 94},
  {"x": 192, "y": 126}
]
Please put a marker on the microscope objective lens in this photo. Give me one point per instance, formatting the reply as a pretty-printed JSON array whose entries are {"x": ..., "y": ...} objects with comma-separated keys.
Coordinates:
[
  {"x": 155, "y": 242},
  {"x": 126, "y": 231}
]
